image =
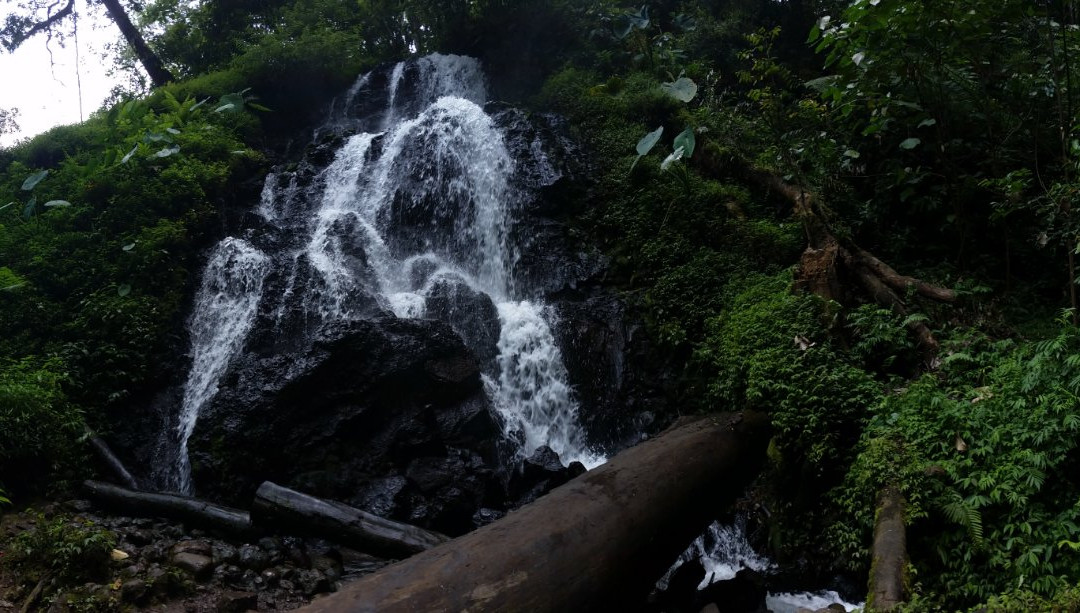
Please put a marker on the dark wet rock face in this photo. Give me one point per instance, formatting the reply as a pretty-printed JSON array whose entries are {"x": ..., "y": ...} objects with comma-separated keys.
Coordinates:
[{"x": 388, "y": 412}]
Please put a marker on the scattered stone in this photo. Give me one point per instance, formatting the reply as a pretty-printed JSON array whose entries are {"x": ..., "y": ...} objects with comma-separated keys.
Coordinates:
[
  {"x": 139, "y": 538},
  {"x": 156, "y": 552},
  {"x": 311, "y": 582},
  {"x": 198, "y": 565},
  {"x": 224, "y": 553},
  {"x": 134, "y": 591},
  {"x": 202, "y": 548},
  {"x": 79, "y": 506},
  {"x": 234, "y": 601},
  {"x": 270, "y": 576},
  {"x": 252, "y": 557}
]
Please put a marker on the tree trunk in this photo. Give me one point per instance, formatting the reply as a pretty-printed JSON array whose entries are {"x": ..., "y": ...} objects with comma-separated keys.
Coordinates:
[
  {"x": 889, "y": 555},
  {"x": 159, "y": 75},
  {"x": 828, "y": 265},
  {"x": 296, "y": 513},
  {"x": 599, "y": 542},
  {"x": 189, "y": 510},
  {"x": 109, "y": 459}
]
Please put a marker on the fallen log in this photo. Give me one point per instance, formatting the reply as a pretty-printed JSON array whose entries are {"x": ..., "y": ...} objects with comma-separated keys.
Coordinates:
[
  {"x": 169, "y": 506},
  {"x": 889, "y": 554},
  {"x": 289, "y": 511},
  {"x": 599, "y": 542},
  {"x": 109, "y": 458}
]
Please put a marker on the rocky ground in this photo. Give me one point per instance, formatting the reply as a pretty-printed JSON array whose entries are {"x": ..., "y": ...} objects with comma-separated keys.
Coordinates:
[{"x": 169, "y": 567}]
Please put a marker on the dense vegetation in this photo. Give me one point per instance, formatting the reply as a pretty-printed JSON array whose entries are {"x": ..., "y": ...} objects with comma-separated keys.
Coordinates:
[{"x": 939, "y": 136}]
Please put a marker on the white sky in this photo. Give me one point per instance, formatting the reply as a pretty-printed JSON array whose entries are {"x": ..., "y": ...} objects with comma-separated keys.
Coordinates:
[{"x": 48, "y": 97}]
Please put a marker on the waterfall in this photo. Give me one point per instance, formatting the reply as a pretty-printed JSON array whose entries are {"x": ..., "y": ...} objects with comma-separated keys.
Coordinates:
[
  {"x": 413, "y": 212},
  {"x": 224, "y": 311}
]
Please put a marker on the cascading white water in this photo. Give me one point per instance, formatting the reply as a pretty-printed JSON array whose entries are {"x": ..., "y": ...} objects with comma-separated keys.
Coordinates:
[
  {"x": 723, "y": 550},
  {"x": 224, "y": 311},
  {"x": 423, "y": 205},
  {"x": 532, "y": 391},
  {"x": 452, "y": 151}
]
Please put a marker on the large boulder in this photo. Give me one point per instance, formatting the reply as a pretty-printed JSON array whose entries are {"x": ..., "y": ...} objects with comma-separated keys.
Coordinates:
[{"x": 371, "y": 402}]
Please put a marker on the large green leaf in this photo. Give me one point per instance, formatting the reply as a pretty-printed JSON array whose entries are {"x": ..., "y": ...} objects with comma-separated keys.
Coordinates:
[
  {"x": 628, "y": 22},
  {"x": 230, "y": 103},
  {"x": 682, "y": 88},
  {"x": 33, "y": 180},
  {"x": 687, "y": 141},
  {"x": 646, "y": 144}
]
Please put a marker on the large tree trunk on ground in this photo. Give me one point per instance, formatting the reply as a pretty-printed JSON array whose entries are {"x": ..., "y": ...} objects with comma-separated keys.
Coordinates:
[
  {"x": 599, "y": 542},
  {"x": 159, "y": 75},
  {"x": 189, "y": 510},
  {"x": 889, "y": 555},
  {"x": 295, "y": 513}
]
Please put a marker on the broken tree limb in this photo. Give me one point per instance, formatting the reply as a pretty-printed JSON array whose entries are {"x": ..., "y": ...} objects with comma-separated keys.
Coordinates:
[
  {"x": 290, "y": 511},
  {"x": 903, "y": 283},
  {"x": 189, "y": 510},
  {"x": 101, "y": 448},
  {"x": 826, "y": 259},
  {"x": 599, "y": 542},
  {"x": 889, "y": 554}
]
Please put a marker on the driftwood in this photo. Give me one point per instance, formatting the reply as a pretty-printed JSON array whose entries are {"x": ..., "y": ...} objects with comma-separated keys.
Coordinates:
[
  {"x": 101, "y": 448},
  {"x": 295, "y": 513},
  {"x": 599, "y": 542},
  {"x": 889, "y": 553},
  {"x": 189, "y": 510}
]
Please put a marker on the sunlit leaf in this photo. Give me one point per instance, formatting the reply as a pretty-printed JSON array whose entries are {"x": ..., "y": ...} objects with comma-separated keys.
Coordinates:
[
  {"x": 128, "y": 247},
  {"x": 910, "y": 143},
  {"x": 682, "y": 89},
  {"x": 54, "y": 203},
  {"x": 28, "y": 210},
  {"x": 649, "y": 141},
  {"x": 167, "y": 151},
  {"x": 123, "y": 290},
  {"x": 646, "y": 144},
  {"x": 685, "y": 22},
  {"x": 671, "y": 159},
  {"x": 129, "y": 154},
  {"x": 33, "y": 180},
  {"x": 686, "y": 141}
]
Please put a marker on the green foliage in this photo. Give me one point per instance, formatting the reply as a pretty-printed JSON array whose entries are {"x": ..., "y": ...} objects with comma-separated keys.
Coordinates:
[
  {"x": 93, "y": 282},
  {"x": 39, "y": 428},
  {"x": 987, "y": 452},
  {"x": 74, "y": 550}
]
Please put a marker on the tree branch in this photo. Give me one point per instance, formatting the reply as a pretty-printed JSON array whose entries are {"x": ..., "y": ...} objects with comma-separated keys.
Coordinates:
[{"x": 19, "y": 38}]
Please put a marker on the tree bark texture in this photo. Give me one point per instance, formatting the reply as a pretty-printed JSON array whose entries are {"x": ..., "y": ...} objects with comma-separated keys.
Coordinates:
[
  {"x": 599, "y": 542},
  {"x": 190, "y": 510},
  {"x": 291, "y": 512},
  {"x": 889, "y": 555},
  {"x": 159, "y": 75},
  {"x": 105, "y": 453},
  {"x": 828, "y": 266}
]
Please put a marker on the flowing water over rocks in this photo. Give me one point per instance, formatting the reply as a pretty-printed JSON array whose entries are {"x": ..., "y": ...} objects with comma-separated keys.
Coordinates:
[{"x": 389, "y": 328}]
